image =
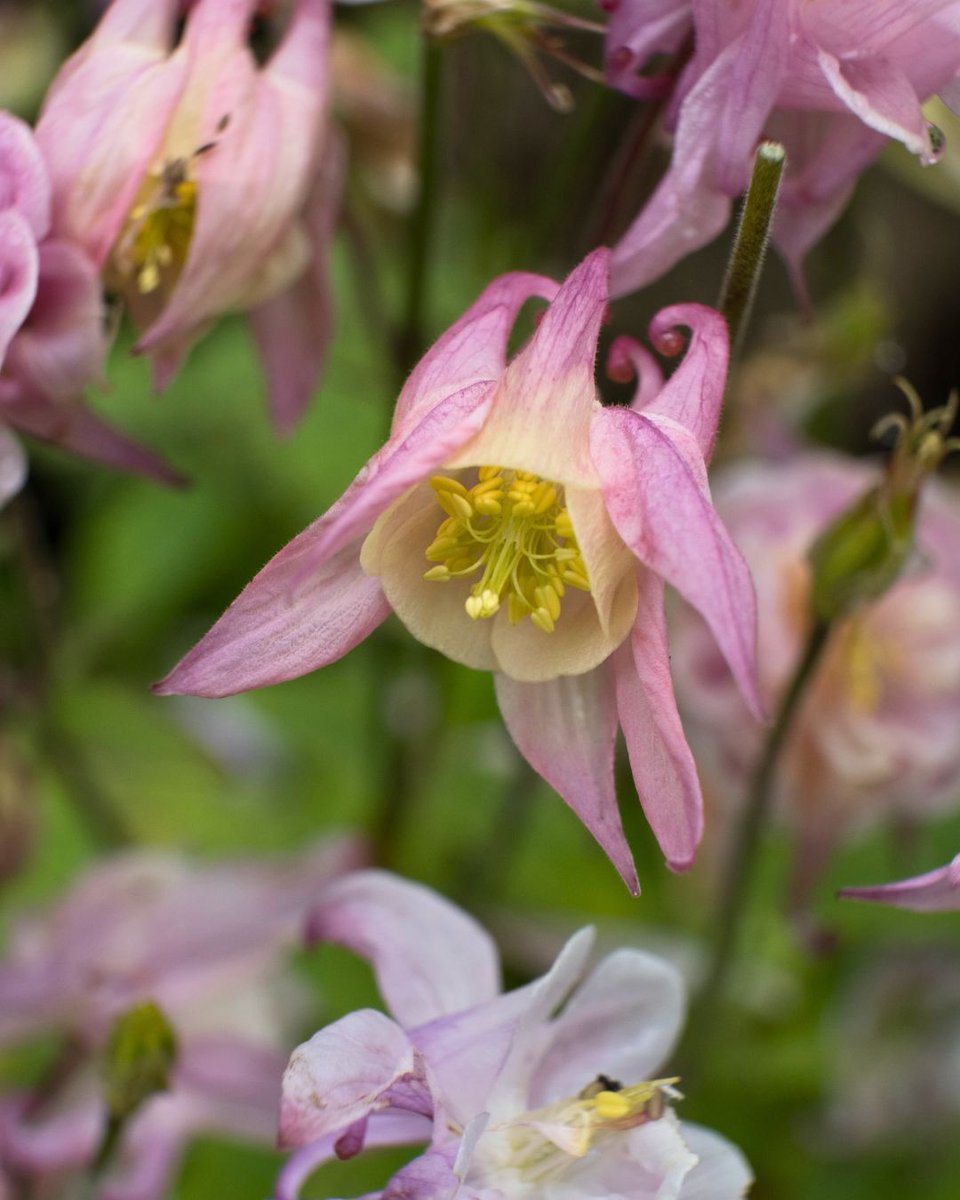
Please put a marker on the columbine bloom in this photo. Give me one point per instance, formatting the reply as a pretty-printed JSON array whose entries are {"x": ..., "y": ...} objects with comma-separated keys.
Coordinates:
[
  {"x": 206, "y": 944},
  {"x": 936, "y": 891},
  {"x": 876, "y": 733},
  {"x": 519, "y": 527},
  {"x": 196, "y": 179},
  {"x": 514, "y": 1101},
  {"x": 831, "y": 80},
  {"x": 52, "y": 339}
]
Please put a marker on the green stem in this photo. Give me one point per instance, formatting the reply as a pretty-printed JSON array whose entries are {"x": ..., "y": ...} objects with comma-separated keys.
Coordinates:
[
  {"x": 750, "y": 246},
  {"x": 742, "y": 863},
  {"x": 413, "y": 333}
]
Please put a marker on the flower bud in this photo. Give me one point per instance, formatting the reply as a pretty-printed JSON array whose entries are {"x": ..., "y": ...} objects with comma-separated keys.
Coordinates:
[{"x": 140, "y": 1055}]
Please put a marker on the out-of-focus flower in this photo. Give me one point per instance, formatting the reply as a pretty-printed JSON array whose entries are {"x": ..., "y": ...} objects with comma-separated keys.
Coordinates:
[
  {"x": 207, "y": 945},
  {"x": 522, "y": 26},
  {"x": 513, "y": 1100},
  {"x": 200, "y": 182},
  {"x": 876, "y": 732},
  {"x": 52, "y": 335},
  {"x": 936, "y": 891},
  {"x": 832, "y": 81},
  {"x": 518, "y": 526}
]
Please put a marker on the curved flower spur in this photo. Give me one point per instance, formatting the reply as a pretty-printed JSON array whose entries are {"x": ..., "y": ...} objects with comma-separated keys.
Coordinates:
[
  {"x": 513, "y": 1099},
  {"x": 515, "y": 524}
]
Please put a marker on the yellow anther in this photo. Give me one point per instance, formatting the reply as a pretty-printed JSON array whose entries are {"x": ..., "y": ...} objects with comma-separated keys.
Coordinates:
[
  {"x": 512, "y": 530},
  {"x": 610, "y": 1106}
]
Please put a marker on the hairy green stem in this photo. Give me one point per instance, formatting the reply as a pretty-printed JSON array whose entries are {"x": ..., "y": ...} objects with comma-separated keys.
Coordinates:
[
  {"x": 742, "y": 863},
  {"x": 750, "y": 246}
]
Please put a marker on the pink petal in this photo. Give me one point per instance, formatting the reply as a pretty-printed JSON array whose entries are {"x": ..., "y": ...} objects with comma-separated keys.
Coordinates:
[
  {"x": 430, "y": 958},
  {"x": 661, "y": 511},
  {"x": 350, "y": 1069},
  {"x": 61, "y": 1139},
  {"x": 428, "y": 1177},
  {"x": 13, "y": 466},
  {"x": 283, "y": 624},
  {"x": 881, "y": 95},
  {"x": 148, "y": 23},
  {"x": 19, "y": 267},
  {"x": 636, "y": 31},
  {"x": 543, "y": 404},
  {"x": 664, "y": 772},
  {"x": 566, "y": 730},
  {"x": 24, "y": 186},
  {"x": 473, "y": 350},
  {"x": 293, "y": 329},
  {"x": 867, "y": 24},
  {"x": 622, "y": 1021},
  {"x": 936, "y": 891},
  {"x": 693, "y": 395},
  {"x": 626, "y": 360}
]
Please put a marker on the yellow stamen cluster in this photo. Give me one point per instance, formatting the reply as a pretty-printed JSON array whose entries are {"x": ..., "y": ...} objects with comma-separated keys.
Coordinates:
[
  {"x": 512, "y": 527},
  {"x": 154, "y": 244}
]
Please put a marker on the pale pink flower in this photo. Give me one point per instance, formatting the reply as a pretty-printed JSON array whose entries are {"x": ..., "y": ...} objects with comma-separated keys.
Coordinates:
[
  {"x": 514, "y": 1101},
  {"x": 52, "y": 332},
  {"x": 540, "y": 552},
  {"x": 207, "y": 943},
  {"x": 200, "y": 182},
  {"x": 832, "y": 80},
  {"x": 876, "y": 733},
  {"x": 936, "y": 891}
]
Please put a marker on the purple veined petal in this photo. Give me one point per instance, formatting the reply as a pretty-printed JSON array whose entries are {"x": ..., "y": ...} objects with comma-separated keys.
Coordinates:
[
  {"x": 473, "y": 350},
  {"x": 662, "y": 513},
  {"x": 432, "y": 1176},
  {"x": 722, "y": 1172},
  {"x": 382, "y": 1129},
  {"x": 13, "y": 466},
  {"x": 283, "y": 624},
  {"x": 362, "y": 1064},
  {"x": 19, "y": 267},
  {"x": 936, "y": 891},
  {"x": 566, "y": 729},
  {"x": 626, "y": 360},
  {"x": 430, "y": 958},
  {"x": 292, "y": 330},
  {"x": 664, "y": 771},
  {"x": 622, "y": 1022},
  {"x": 24, "y": 185},
  {"x": 881, "y": 95},
  {"x": 693, "y": 395},
  {"x": 866, "y": 24},
  {"x": 545, "y": 398}
]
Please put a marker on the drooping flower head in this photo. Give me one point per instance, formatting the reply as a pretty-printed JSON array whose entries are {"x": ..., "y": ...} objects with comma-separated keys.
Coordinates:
[
  {"x": 875, "y": 735},
  {"x": 199, "y": 181},
  {"x": 514, "y": 1101},
  {"x": 207, "y": 945},
  {"x": 831, "y": 80},
  {"x": 52, "y": 329},
  {"x": 518, "y": 526}
]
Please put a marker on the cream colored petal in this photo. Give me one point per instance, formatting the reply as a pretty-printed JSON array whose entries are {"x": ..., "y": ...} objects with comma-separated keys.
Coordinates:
[
  {"x": 606, "y": 557},
  {"x": 433, "y": 612},
  {"x": 578, "y": 643}
]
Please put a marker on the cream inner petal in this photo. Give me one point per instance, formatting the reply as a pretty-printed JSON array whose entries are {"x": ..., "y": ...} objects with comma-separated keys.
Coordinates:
[{"x": 435, "y": 613}]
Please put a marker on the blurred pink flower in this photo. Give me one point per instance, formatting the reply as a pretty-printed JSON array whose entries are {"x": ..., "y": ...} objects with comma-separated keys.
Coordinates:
[
  {"x": 936, "y": 891},
  {"x": 207, "y": 943},
  {"x": 547, "y": 542},
  {"x": 513, "y": 1100},
  {"x": 876, "y": 734},
  {"x": 201, "y": 183},
  {"x": 831, "y": 80},
  {"x": 52, "y": 336}
]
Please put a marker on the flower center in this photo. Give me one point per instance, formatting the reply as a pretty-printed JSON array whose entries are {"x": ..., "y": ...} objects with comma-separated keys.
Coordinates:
[
  {"x": 512, "y": 528},
  {"x": 153, "y": 246}
]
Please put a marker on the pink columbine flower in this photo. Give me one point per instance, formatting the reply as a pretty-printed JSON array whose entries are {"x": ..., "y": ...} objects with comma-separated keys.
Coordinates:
[
  {"x": 876, "y": 735},
  {"x": 831, "y": 80},
  {"x": 52, "y": 337},
  {"x": 199, "y": 182},
  {"x": 936, "y": 891},
  {"x": 206, "y": 943},
  {"x": 518, "y": 526},
  {"x": 514, "y": 1101}
]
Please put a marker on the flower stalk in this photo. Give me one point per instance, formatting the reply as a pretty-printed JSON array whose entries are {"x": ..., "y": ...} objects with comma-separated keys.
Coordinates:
[{"x": 753, "y": 234}]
